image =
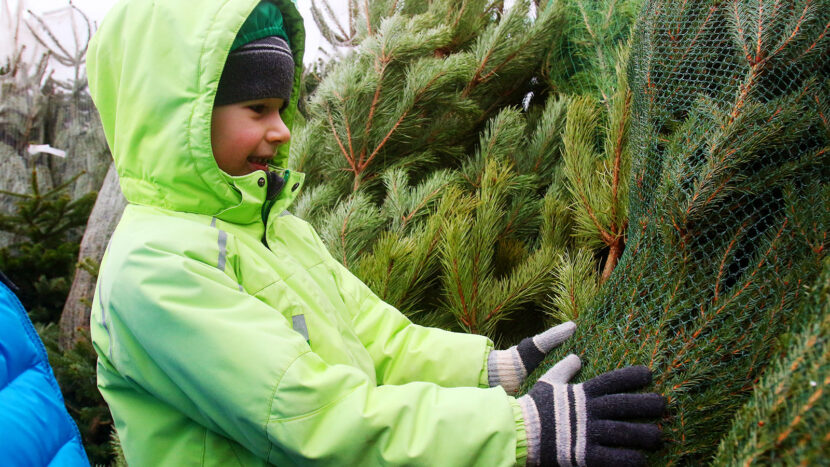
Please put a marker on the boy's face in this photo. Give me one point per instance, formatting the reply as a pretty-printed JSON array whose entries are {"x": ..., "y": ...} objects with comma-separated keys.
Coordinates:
[{"x": 246, "y": 135}]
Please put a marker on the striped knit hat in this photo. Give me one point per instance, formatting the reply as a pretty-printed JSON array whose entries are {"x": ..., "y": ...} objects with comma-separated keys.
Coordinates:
[{"x": 260, "y": 64}]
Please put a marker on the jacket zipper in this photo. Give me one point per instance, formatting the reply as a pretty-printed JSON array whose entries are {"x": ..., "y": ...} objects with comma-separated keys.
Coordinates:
[{"x": 275, "y": 186}]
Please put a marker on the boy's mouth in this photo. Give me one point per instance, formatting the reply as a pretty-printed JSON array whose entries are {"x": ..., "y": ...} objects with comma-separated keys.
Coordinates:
[{"x": 259, "y": 163}]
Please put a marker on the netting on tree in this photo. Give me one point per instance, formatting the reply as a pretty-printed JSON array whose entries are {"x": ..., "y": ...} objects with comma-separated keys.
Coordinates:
[
  {"x": 47, "y": 120},
  {"x": 729, "y": 205}
]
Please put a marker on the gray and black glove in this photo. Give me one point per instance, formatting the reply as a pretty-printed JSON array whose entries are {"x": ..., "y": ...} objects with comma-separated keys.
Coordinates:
[
  {"x": 582, "y": 424},
  {"x": 509, "y": 368}
]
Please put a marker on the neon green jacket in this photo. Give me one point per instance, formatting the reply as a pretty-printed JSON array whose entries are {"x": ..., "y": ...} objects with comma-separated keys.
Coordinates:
[{"x": 226, "y": 333}]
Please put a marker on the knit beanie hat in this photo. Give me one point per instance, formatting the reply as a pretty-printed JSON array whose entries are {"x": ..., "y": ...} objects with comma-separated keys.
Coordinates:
[{"x": 260, "y": 64}]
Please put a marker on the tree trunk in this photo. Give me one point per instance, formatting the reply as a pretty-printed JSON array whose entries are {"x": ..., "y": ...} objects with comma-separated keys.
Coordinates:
[{"x": 102, "y": 221}]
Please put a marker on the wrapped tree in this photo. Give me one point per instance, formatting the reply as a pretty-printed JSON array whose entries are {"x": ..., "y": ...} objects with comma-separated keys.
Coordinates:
[
  {"x": 729, "y": 207},
  {"x": 586, "y": 59},
  {"x": 788, "y": 417},
  {"x": 48, "y": 123}
]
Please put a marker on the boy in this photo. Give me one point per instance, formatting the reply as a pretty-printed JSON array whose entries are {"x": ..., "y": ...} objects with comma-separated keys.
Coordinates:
[{"x": 227, "y": 334}]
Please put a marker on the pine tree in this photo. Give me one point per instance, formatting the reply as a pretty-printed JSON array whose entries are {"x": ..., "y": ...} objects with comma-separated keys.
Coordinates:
[
  {"x": 596, "y": 177},
  {"x": 443, "y": 171},
  {"x": 729, "y": 207}
]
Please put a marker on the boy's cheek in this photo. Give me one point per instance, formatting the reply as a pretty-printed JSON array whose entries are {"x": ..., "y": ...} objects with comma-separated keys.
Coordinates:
[{"x": 243, "y": 136}]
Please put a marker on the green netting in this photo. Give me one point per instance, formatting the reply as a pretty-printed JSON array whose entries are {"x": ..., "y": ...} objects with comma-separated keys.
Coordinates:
[
  {"x": 786, "y": 420},
  {"x": 729, "y": 206},
  {"x": 595, "y": 30}
]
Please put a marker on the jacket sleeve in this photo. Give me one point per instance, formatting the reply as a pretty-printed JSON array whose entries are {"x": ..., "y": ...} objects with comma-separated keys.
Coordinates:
[
  {"x": 180, "y": 329},
  {"x": 405, "y": 352}
]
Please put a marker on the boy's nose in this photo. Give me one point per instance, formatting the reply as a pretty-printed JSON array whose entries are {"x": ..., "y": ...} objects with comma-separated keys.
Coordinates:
[{"x": 277, "y": 131}]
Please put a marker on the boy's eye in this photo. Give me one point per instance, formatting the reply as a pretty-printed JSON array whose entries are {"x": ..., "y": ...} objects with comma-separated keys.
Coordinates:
[{"x": 258, "y": 108}]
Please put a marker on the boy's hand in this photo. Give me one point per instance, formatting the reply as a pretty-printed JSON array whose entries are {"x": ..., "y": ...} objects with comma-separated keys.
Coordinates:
[
  {"x": 509, "y": 368},
  {"x": 581, "y": 424}
]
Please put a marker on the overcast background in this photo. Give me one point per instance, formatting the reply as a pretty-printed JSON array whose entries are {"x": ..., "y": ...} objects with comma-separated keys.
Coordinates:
[{"x": 57, "y": 15}]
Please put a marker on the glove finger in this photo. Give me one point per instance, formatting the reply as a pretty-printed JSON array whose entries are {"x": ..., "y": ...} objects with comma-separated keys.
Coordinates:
[
  {"x": 532, "y": 350},
  {"x": 554, "y": 336},
  {"x": 625, "y": 434},
  {"x": 623, "y": 406},
  {"x": 622, "y": 380},
  {"x": 563, "y": 371},
  {"x": 600, "y": 456}
]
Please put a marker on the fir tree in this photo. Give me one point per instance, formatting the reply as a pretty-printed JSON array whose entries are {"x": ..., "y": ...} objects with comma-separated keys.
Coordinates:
[
  {"x": 788, "y": 417},
  {"x": 41, "y": 260},
  {"x": 729, "y": 207}
]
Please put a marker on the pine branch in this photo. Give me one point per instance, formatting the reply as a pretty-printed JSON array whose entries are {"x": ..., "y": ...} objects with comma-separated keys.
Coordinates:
[
  {"x": 348, "y": 155},
  {"x": 575, "y": 284}
]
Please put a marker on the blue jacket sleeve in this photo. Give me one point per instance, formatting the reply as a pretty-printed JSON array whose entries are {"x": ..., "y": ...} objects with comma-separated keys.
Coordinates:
[{"x": 35, "y": 427}]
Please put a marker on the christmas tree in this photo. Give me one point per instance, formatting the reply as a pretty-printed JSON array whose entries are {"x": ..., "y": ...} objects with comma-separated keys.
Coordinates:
[
  {"x": 788, "y": 417},
  {"x": 450, "y": 174},
  {"x": 729, "y": 212}
]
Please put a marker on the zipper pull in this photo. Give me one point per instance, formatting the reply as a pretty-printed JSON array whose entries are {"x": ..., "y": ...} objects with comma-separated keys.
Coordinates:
[{"x": 275, "y": 185}]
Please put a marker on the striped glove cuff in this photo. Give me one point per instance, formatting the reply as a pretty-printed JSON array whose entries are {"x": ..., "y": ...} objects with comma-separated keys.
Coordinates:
[
  {"x": 568, "y": 418},
  {"x": 577, "y": 424},
  {"x": 509, "y": 368}
]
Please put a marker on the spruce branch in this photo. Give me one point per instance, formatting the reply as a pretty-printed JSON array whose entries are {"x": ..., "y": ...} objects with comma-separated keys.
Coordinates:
[{"x": 783, "y": 419}]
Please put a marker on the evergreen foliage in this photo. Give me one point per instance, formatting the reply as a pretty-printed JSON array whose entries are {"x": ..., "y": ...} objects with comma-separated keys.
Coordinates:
[
  {"x": 477, "y": 167},
  {"x": 47, "y": 227},
  {"x": 454, "y": 182},
  {"x": 601, "y": 215},
  {"x": 729, "y": 209},
  {"x": 788, "y": 417},
  {"x": 586, "y": 58}
]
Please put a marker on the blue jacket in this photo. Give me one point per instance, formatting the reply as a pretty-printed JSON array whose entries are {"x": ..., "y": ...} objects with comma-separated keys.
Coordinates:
[{"x": 35, "y": 428}]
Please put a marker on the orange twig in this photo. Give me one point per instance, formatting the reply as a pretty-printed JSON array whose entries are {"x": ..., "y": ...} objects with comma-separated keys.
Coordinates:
[
  {"x": 723, "y": 261},
  {"x": 340, "y": 143}
]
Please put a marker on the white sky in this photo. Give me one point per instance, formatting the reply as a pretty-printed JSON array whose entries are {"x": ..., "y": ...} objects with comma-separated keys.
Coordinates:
[{"x": 96, "y": 9}]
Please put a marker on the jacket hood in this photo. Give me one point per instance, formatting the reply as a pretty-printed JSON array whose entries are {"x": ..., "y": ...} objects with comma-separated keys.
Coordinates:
[{"x": 153, "y": 68}]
